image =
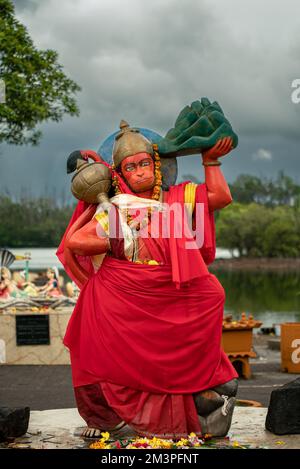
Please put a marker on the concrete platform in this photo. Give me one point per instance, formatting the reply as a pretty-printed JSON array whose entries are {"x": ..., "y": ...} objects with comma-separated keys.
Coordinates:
[{"x": 60, "y": 429}]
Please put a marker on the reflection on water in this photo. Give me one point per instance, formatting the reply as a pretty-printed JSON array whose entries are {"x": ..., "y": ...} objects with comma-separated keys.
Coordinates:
[{"x": 272, "y": 297}]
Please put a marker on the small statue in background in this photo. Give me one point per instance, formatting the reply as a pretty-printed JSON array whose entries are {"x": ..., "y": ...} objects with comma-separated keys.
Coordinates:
[
  {"x": 7, "y": 286},
  {"x": 51, "y": 288}
]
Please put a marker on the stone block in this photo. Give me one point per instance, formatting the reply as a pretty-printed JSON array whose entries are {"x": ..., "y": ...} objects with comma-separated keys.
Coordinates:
[
  {"x": 13, "y": 422},
  {"x": 283, "y": 417}
]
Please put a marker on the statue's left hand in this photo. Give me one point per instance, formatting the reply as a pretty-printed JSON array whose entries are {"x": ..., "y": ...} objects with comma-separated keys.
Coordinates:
[{"x": 221, "y": 148}]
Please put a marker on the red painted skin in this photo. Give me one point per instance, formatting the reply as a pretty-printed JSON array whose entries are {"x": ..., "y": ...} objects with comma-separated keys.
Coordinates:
[{"x": 138, "y": 171}]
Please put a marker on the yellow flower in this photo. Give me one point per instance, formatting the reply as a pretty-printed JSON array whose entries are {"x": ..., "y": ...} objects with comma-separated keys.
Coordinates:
[
  {"x": 236, "y": 444},
  {"x": 160, "y": 443},
  {"x": 167, "y": 444},
  {"x": 100, "y": 445},
  {"x": 192, "y": 435},
  {"x": 280, "y": 442},
  {"x": 182, "y": 442},
  {"x": 105, "y": 436}
]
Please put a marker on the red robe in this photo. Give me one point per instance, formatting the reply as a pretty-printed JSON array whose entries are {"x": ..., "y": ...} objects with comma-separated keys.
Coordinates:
[{"x": 147, "y": 337}]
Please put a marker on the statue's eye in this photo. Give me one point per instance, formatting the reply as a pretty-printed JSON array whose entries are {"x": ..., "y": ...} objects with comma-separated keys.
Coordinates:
[
  {"x": 130, "y": 167},
  {"x": 145, "y": 163}
]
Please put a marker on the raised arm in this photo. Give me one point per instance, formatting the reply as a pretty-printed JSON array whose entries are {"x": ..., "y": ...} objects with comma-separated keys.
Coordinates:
[{"x": 218, "y": 191}]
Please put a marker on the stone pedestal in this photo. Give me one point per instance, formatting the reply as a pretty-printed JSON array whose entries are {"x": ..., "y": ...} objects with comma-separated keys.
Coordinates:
[{"x": 52, "y": 353}]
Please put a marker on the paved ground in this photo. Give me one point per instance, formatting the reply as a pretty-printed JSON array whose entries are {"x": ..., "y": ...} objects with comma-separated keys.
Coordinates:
[
  {"x": 55, "y": 422},
  {"x": 61, "y": 429},
  {"x": 39, "y": 387},
  {"x": 266, "y": 373},
  {"x": 50, "y": 387}
]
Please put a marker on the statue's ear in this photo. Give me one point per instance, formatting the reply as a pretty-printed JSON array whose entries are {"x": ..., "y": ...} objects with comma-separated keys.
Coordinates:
[{"x": 169, "y": 171}]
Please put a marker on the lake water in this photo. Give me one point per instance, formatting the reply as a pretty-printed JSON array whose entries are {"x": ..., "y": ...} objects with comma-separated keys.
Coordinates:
[{"x": 272, "y": 297}]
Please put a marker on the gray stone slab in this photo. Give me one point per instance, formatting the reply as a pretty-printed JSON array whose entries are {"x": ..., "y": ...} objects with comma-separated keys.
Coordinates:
[{"x": 59, "y": 428}]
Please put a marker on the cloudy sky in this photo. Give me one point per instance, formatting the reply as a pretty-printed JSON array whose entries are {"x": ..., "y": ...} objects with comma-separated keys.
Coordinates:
[{"x": 144, "y": 61}]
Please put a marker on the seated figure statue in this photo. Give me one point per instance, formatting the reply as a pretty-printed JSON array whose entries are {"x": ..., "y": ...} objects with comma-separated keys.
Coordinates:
[{"x": 145, "y": 334}]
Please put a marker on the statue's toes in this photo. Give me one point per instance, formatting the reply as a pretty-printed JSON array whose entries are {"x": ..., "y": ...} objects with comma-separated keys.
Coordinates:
[
  {"x": 218, "y": 422},
  {"x": 85, "y": 432},
  {"x": 91, "y": 433},
  {"x": 207, "y": 401}
]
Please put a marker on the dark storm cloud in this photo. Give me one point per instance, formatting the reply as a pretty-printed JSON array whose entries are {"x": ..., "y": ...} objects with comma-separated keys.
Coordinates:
[
  {"x": 143, "y": 61},
  {"x": 27, "y": 5}
]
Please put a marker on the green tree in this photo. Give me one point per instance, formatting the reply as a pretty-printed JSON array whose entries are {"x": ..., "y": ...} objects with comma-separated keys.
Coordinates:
[
  {"x": 282, "y": 236},
  {"x": 286, "y": 191},
  {"x": 253, "y": 223},
  {"x": 32, "y": 222},
  {"x": 37, "y": 89},
  {"x": 281, "y": 191},
  {"x": 247, "y": 188},
  {"x": 260, "y": 231},
  {"x": 229, "y": 226}
]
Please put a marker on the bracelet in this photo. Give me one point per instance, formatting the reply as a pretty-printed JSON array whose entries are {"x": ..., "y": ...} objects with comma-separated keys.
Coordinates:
[{"x": 212, "y": 163}]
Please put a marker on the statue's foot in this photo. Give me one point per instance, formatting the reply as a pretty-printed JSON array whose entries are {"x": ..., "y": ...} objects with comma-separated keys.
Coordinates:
[
  {"x": 91, "y": 432},
  {"x": 228, "y": 389},
  {"x": 207, "y": 401},
  {"x": 218, "y": 422}
]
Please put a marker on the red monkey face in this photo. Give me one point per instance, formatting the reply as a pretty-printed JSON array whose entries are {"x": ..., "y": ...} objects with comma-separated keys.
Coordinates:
[{"x": 138, "y": 171}]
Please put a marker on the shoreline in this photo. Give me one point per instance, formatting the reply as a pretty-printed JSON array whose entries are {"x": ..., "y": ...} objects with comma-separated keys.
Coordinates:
[
  {"x": 257, "y": 264},
  {"x": 41, "y": 258}
]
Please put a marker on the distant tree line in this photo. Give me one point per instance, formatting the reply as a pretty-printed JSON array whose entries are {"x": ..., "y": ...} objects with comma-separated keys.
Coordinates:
[
  {"x": 266, "y": 191},
  {"x": 262, "y": 221},
  {"x": 256, "y": 230},
  {"x": 281, "y": 191},
  {"x": 264, "y": 218},
  {"x": 32, "y": 222}
]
